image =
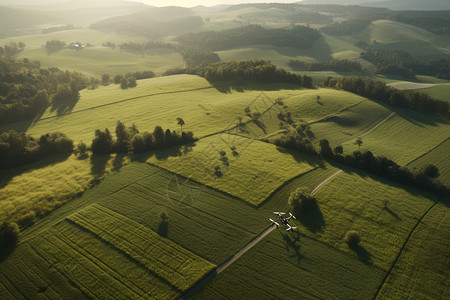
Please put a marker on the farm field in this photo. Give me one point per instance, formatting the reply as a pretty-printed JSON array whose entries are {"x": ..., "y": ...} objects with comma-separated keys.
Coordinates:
[
  {"x": 286, "y": 265},
  {"x": 421, "y": 270},
  {"x": 210, "y": 110},
  {"x": 404, "y": 136},
  {"x": 29, "y": 193},
  {"x": 354, "y": 201},
  {"x": 253, "y": 163},
  {"x": 438, "y": 157},
  {"x": 441, "y": 91}
]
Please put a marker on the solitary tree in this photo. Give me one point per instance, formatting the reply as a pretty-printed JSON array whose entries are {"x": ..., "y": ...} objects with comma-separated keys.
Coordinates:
[
  {"x": 352, "y": 238},
  {"x": 81, "y": 149},
  {"x": 359, "y": 142},
  {"x": 9, "y": 234},
  {"x": 301, "y": 201},
  {"x": 430, "y": 171},
  {"x": 180, "y": 122}
]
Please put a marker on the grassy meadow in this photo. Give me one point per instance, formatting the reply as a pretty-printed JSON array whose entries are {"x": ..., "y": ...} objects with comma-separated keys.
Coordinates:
[
  {"x": 421, "y": 270},
  {"x": 355, "y": 201},
  {"x": 288, "y": 265},
  {"x": 253, "y": 163}
]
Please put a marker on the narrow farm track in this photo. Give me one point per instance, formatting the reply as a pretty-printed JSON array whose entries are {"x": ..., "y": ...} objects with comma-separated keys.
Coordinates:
[
  {"x": 402, "y": 249},
  {"x": 243, "y": 250}
]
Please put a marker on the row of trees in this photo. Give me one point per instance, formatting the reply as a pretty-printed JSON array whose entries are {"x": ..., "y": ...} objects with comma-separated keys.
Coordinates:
[
  {"x": 435, "y": 24},
  {"x": 26, "y": 89},
  {"x": 57, "y": 28},
  {"x": 378, "y": 90},
  {"x": 19, "y": 149},
  {"x": 399, "y": 62},
  {"x": 337, "y": 65},
  {"x": 129, "y": 139},
  {"x": 54, "y": 46},
  {"x": 298, "y": 37},
  {"x": 383, "y": 166},
  {"x": 192, "y": 55},
  {"x": 11, "y": 49},
  {"x": 259, "y": 70},
  {"x": 349, "y": 27}
]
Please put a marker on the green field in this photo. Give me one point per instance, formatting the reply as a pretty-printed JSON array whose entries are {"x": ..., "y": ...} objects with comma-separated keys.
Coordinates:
[
  {"x": 354, "y": 201},
  {"x": 438, "y": 157},
  {"x": 418, "y": 42},
  {"x": 287, "y": 266},
  {"x": 441, "y": 91},
  {"x": 254, "y": 164},
  {"x": 421, "y": 270}
]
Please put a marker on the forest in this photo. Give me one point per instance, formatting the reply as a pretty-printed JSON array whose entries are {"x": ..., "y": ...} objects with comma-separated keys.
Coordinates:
[
  {"x": 298, "y": 37},
  {"x": 336, "y": 65},
  {"x": 258, "y": 70},
  {"x": 26, "y": 89}
]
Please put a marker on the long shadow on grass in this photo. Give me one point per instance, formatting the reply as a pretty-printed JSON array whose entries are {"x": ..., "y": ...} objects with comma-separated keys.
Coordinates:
[
  {"x": 8, "y": 174},
  {"x": 98, "y": 165},
  {"x": 312, "y": 219},
  {"x": 163, "y": 228},
  {"x": 164, "y": 154},
  {"x": 292, "y": 243},
  {"x": 227, "y": 87},
  {"x": 5, "y": 252},
  {"x": 362, "y": 253}
]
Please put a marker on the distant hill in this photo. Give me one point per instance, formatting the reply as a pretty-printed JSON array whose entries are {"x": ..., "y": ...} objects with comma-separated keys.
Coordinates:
[
  {"x": 153, "y": 22},
  {"x": 15, "y": 18},
  {"x": 391, "y": 4}
]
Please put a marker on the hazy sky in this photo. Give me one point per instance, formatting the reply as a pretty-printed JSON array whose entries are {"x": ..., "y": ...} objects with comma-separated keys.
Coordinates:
[{"x": 190, "y": 3}]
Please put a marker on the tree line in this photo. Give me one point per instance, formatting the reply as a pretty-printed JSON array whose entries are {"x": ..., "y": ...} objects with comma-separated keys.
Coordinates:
[
  {"x": 258, "y": 70},
  {"x": 435, "y": 24},
  {"x": 424, "y": 178},
  {"x": 11, "y": 49},
  {"x": 192, "y": 55},
  {"x": 57, "y": 28},
  {"x": 26, "y": 89},
  {"x": 130, "y": 140},
  {"x": 400, "y": 62},
  {"x": 378, "y": 90},
  {"x": 337, "y": 65},
  {"x": 19, "y": 148},
  {"x": 298, "y": 37}
]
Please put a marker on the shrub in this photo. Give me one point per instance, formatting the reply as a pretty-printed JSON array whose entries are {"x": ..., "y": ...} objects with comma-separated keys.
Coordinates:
[
  {"x": 9, "y": 234},
  {"x": 301, "y": 201},
  {"x": 352, "y": 238}
]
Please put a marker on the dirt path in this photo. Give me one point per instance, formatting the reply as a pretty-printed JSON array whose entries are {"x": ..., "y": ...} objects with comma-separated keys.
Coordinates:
[{"x": 243, "y": 250}]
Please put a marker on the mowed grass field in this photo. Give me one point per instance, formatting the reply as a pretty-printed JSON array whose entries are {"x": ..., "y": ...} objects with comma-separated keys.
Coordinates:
[
  {"x": 441, "y": 91},
  {"x": 394, "y": 35},
  {"x": 253, "y": 164},
  {"x": 354, "y": 201},
  {"x": 288, "y": 265},
  {"x": 422, "y": 269},
  {"x": 439, "y": 157},
  {"x": 29, "y": 193},
  {"x": 157, "y": 101}
]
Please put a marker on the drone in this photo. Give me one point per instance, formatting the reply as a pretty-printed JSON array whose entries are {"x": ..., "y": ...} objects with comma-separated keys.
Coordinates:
[{"x": 283, "y": 220}]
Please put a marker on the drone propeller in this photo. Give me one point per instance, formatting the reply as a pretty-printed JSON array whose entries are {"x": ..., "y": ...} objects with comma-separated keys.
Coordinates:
[
  {"x": 279, "y": 213},
  {"x": 292, "y": 216}
]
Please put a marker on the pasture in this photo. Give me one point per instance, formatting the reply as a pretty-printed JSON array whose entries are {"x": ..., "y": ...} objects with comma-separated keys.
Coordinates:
[
  {"x": 289, "y": 265},
  {"x": 441, "y": 91},
  {"x": 421, "y": 270},
  {"x": 252, "y": 164},
  {"x": 355, "y": 201}
]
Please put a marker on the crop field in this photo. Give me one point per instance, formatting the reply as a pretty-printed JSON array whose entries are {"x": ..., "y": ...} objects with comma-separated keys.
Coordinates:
[
  {"x": 253, "y": 163},
  {"x": 421, "y": 270},
  {"x": 28, "y": 193},
  {"x": 350, "y": 122},
  {"x": 355, "y": 201},
  {"x": 404, "y": 136},
  {"x": 96, "y": 61},
  {"x": 441, "y": 91},
  {"x": 438, "y": 157},
  {"x": 287, "y": 266},
  {"x": 394, "y": 35},
  {"x": 205, "y": 109}
]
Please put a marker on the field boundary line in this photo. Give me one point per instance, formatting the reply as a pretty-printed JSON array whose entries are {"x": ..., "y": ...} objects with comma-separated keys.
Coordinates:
[
  {"x": 388, "y": 273},
  {"x": 428, "y": 152},
  {"x": 122, "y": 101},
  {"x": 334, "y": 114},
  {"x": 242, "y": 251}
]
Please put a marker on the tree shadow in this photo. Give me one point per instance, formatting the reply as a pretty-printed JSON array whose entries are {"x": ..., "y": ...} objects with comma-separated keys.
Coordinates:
[
  {"x": 312, "y": 219},
  {"x": 230, "y": 86},
  {"x": 5, "y": 252},
  {"x": 164, "y": 154},
  {"x": 392, "y": 213},
  {"x": 98, "y": 164},
  {"x": 64, "y": 108},
  {"x": 260, "y": 125},
  {"x": 163, "y": 228},
  {"x": 7, "y": 175},
  {"x": 118, "y": 161},
  {"x": 292, "y": 243},
  {"x": 362, "y": 253}
]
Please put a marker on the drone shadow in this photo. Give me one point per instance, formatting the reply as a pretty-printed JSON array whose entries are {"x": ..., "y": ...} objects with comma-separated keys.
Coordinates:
[{"x": 292, "y": 243}]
